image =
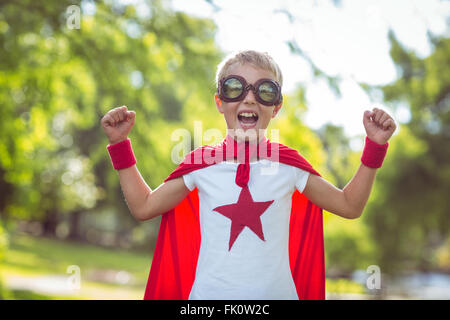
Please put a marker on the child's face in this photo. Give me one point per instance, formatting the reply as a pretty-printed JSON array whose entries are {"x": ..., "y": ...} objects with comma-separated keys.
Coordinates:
[{"x": 231, "y": 110}]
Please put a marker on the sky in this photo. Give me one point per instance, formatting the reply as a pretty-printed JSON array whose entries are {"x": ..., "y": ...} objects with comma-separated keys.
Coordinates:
[{"x": 349, "y": 41}]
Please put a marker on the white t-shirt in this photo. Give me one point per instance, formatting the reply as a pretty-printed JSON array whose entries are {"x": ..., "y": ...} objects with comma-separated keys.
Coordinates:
[{"x": 253, "y": 268}]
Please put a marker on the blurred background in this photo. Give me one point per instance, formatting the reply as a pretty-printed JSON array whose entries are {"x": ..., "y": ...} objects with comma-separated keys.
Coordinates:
[{"x": 65, "y": 229}]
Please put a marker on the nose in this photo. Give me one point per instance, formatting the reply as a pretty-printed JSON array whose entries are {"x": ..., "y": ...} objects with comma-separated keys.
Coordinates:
[{"x": 249, "y": 95}]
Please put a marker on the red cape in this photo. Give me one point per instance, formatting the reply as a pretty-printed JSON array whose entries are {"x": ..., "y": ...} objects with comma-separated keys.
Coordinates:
[{"x": 175, "y": 257}]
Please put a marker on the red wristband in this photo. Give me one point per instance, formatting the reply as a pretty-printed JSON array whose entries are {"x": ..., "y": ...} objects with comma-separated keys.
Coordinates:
[
  {"x": 373, "y": 153},
  {"x": 121, "y": 154}
]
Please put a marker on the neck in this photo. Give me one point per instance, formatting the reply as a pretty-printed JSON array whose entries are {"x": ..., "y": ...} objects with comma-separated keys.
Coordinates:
[{"x": 244, "y": 149}]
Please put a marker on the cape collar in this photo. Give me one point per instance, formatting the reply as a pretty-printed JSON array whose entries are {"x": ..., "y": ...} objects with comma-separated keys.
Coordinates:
[{"x": 243, "y": 152}]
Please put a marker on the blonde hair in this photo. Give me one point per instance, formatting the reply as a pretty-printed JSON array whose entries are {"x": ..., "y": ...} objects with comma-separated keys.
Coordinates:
[{"x": 258, "y": 59}]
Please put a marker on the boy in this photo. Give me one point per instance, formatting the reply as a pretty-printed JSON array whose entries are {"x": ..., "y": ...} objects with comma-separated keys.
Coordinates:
[{"x": 228, "y": 230}]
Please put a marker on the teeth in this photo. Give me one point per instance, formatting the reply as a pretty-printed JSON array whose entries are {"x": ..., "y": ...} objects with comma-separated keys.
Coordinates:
[{"x": 248, "y": 114}]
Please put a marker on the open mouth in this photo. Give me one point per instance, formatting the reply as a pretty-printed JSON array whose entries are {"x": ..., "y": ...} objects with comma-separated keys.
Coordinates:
[{"x": 248, "y": 119}]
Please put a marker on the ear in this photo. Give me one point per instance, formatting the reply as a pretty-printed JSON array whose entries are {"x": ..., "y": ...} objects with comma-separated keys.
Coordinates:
[
  {"x": 276, "y": 109},
  {"x": 218, "y": 103}
]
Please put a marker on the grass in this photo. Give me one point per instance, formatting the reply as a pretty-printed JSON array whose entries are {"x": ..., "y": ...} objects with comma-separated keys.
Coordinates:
[
  {"x": 39, "y": 260},
  {"x": 30, "y": 260},
  {"x": 344, "y": 286}
]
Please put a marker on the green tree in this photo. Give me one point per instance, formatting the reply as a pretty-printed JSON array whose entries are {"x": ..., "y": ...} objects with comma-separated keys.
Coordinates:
[
  {"x": 409, "y": 212},
  {"x": 56, "y": 84}
]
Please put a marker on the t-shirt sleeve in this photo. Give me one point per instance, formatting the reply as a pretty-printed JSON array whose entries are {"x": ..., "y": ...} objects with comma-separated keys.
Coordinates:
[
  {"x": 189, "y": 180},
  {"x": 301, "y": 177}
]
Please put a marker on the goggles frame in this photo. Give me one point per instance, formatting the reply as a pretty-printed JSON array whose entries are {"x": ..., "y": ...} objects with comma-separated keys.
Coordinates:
[{"x": 246, "y": 87}]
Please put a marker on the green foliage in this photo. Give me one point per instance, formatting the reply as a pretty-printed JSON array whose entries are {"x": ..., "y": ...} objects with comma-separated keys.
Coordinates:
[
  {"x": 409, "y": 211},
  {"x": 295, "y": 134},
  {"x": 56, "y": 83},
  {"x": 341, "y": 161},
  {"x": 348, "y": 245}
]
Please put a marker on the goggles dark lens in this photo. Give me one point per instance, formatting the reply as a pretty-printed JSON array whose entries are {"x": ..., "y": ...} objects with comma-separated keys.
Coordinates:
[
  {"x": 268, "y": 91},
  {"x": 234, "y": 88}
]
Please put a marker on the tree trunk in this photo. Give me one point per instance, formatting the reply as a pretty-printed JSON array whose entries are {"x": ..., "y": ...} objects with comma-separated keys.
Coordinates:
[
  {"x": 49, "y": 224},
  {"x": 75, "y": 225}
]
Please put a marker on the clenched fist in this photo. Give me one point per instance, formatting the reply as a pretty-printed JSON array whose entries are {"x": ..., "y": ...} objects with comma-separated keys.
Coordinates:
[
  {"x": 379, "y": 125},
  {"x": 117, "y": 124}
]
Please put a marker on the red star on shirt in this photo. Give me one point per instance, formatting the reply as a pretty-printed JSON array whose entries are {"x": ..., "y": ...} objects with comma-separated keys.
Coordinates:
[{"x": 244, "y": 213}]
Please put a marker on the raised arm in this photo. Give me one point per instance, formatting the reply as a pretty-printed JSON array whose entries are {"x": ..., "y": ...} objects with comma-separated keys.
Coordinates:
[
  {"x": 350, "y": 201},
  {"x": 143, "y": 203}
]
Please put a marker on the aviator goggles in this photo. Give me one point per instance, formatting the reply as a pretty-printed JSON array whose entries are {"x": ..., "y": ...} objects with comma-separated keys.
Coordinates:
[{"x": 234, "y": 88}]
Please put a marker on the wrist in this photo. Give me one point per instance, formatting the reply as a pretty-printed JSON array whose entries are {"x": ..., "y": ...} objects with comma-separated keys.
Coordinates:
[
  {"x": 116, "y": 141},
  {"x": 121, "y": 154},
  {"x": 374, "y": 153}
]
